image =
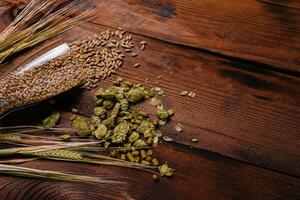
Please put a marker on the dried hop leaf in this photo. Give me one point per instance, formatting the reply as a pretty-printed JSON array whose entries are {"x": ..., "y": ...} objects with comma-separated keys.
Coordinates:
[
  {"x": 99, "y": 111},
  {"x": 135, "y": 95},
  {"x": 51, "y": 120},
  {"x": 162, "y": 114},
  {"x": 145, "y": 126},
  {"x": 81, "y": 126},
  {"x": 101, "y": 132},
  {"x": 140, "y": 143},
  {"x": 165, "y": 170},
  {"x": 120, "y": 132}
]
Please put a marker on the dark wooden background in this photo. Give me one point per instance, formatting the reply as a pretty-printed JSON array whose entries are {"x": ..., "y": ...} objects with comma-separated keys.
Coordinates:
[{"x": 241, "y": 57}]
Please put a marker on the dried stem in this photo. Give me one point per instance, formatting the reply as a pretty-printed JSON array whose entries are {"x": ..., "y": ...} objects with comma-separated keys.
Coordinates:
[
  {"x": 29, "y": 29},
  {"x": 11, "y": 151},
  {"x": 52, "y": 175},
  {"x": 17, "y": 161}
]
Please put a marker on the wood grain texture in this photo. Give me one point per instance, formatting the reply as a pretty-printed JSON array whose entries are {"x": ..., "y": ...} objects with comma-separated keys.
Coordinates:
[
  {"x": 199, "y": 175},
  {"x": 289, "y": 3},
  {"x": 241, "y": 111},
  {"x": 261, "y": 31},
  {"x": 240, "y": 28},
  {"x": 9, "y": 10}
]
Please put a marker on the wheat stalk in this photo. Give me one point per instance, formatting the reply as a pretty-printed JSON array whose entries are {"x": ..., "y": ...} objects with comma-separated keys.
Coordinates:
[
  {"x": 119, "y": 163},
  {"x": 35, "y": 140},
  {"x": 101, "y": 149},
  {"x": 12, "y": 151},
  {"x": 57, "y": 154},
  {"x": 17, "y": 161},
  {"x": 52, "y": 175},
  {"x": 9, "y": 137},
  {"x": 33, "y": 129},
  {"x": 27, "y": 29},
  {"x": 71, "y": 156},
  {"x": 62, "y": 151}
]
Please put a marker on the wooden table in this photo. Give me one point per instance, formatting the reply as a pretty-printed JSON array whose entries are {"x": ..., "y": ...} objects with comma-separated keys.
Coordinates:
[{"x": 241, "y": 57}]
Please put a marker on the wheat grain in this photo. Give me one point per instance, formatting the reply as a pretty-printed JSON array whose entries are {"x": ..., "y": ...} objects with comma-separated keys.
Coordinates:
[
  {"x": 89, "y": 61},
  {"x": 137, "y": 65},
  {"x": 57, "y": 154},
  {"x": 133, "y": 54},
  {"x": 9, "y": 137}
]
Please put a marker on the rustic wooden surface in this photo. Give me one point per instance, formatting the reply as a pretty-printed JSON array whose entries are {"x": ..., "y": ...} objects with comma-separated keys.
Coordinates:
[
  {"x": 242, "y": 60},
  {"x": 263, "y": 31},
  {"x": 199, "y": 175}
]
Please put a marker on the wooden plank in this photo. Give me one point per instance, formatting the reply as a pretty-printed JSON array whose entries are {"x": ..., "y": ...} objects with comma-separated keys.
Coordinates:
[
  {"x": 239, "y": 28},
  {"x": 9, "y": 10},
  {"x": 199, "y": 175},
  {"x": 290, "y": 4},
  {"x": 241, "y": 111}
]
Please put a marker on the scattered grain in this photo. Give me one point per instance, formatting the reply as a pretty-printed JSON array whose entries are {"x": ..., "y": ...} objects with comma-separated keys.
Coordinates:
[
  {"x": 192, "y": 94},
  {"x": 89, "y": 61},
  {"x": 167, "y": 138},
  {"x": 179, "y": 127},
  {"x": 155, "y": 177},
  {"x": 184, "y": 93},
  {"x": 195, "y": 140},
  {"x": 137, "y": 65},
  {"x": 133, "y": 54}
]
